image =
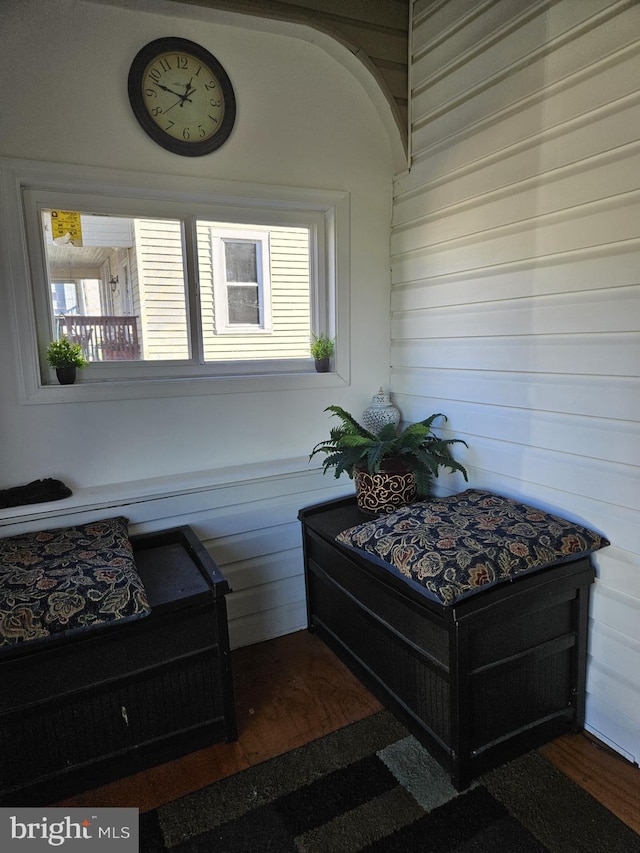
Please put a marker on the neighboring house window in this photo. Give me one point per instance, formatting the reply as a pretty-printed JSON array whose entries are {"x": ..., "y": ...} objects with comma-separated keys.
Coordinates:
[
  {"x": 166, "y": 285},
  {"x": 244, "y": 283},
  {"x": 241, "y": 280}
]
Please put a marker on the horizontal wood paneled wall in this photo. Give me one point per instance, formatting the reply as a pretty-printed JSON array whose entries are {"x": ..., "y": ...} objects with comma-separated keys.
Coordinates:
[
  {"x": 245, "y": 516},
  {"x": 516, "y": 281}
]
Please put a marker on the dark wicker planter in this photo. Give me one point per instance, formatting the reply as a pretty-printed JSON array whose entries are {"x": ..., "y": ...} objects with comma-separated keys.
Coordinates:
[{"x": 391, "y": 488}]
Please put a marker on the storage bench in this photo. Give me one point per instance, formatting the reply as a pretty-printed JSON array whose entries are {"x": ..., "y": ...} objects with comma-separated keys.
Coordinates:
[
  {"x": 479, "y": 681},
  {"x": 78, "y": 711}
]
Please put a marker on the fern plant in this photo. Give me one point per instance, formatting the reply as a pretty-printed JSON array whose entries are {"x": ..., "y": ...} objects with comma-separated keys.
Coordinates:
[{"x": 416, "y": 448}]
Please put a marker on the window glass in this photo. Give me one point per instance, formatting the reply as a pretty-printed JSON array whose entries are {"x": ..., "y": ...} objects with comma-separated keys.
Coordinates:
[
  {"x": 241, "y": 261},
  {"x": 243, "y": 305},
  {"x": 118, "y": 286},
  {"x": 243, "y": 292},
  {"x": 255, "y": 290}
]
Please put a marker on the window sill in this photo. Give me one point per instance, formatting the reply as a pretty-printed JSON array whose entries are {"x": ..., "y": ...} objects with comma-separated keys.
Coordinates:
[{"x": 119, "y": 389}]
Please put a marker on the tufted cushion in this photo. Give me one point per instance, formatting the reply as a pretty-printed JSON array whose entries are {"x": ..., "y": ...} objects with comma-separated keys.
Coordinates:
[
  {"x": 453, "y": 547},
  {"x": 68, "y": 579}
]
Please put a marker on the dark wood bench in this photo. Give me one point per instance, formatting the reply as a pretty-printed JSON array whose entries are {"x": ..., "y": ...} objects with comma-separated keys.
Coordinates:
[
  {"x": 478, "y": 682},
  {"x": 79, "y": 711}
]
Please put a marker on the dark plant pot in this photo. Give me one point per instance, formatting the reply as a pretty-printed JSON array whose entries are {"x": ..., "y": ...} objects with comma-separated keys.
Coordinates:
[
  {"x": 66, "y": 375},
  {"x": 393, "y": 487},
  {"x": 322, "y": 365}
]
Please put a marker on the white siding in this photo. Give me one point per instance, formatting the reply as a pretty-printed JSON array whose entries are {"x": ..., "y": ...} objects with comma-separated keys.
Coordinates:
[
  {"x": 161, "y": 289},
  {"x": 515, "y": 284}
]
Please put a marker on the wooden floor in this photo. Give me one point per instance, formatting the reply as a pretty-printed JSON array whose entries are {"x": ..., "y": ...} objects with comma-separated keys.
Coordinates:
[{"x": 292, "y": 690}]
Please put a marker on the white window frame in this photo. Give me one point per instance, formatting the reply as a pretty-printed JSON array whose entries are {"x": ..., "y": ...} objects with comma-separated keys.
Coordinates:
[
  {"x": 220, "y": 236},
  {"x": 28, "y": 186}
]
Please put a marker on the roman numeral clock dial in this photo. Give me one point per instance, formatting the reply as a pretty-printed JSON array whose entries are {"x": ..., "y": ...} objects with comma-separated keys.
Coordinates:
[{"x": 182, "y": 96}]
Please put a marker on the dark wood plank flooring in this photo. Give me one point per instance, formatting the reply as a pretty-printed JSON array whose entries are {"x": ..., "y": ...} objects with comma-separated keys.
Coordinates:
[{"x": 292, "y": 690}]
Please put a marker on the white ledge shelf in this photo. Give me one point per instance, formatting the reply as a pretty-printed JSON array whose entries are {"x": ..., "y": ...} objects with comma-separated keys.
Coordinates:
[{"x": 114, "y": 496}]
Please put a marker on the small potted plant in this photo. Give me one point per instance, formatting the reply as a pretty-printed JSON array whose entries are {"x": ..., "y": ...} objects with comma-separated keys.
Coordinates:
[
  {"x": 391, "y": 468},
  {"x": 65, "y": 357},
  {"x": 322, "y": 348}
]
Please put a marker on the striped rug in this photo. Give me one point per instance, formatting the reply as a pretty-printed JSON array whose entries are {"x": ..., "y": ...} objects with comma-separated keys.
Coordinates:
[{"x": 372, "y": 787}]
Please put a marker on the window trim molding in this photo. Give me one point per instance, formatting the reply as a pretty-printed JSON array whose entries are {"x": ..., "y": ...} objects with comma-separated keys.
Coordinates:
[{"x": 330, "y": 312}]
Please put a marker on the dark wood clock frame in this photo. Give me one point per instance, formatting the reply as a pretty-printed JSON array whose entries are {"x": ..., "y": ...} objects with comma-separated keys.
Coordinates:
[{"x": 140, "y": 108}]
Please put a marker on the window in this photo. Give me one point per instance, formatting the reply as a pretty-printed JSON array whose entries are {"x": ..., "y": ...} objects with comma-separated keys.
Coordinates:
[
  {"x": 144, "y": 316},
  {"x": 242, "y": 279},
  {"x": 229, "y": 281}
]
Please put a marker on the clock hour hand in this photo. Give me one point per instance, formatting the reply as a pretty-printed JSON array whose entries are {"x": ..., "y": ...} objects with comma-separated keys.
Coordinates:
[{"x": 188, "y": 90}]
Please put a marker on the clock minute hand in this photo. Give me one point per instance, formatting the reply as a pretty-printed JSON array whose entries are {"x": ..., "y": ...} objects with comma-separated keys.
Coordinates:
[{"x": 166, "y": 89}]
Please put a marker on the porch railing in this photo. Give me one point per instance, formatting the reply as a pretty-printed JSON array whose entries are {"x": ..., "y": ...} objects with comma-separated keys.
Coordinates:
[{"x": 102, "y": 338}]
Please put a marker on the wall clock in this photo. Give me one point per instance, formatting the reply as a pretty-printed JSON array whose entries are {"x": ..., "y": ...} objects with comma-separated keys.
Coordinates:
[{"x": 182, "y": 96}]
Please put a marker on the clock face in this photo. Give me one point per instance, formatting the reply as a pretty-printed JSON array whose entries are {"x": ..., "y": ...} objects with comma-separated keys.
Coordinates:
[{"x": 182, "y": 96}]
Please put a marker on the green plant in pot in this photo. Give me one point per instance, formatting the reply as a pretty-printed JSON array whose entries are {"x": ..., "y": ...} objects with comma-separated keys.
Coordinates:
[
  {"x": 322, "y": 349},
  {"x": 65, "y": 357},
  {"x": 391, "y": 468}
]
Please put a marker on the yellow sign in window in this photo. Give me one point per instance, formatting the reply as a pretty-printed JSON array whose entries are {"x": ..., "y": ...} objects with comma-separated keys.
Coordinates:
[{"x": 66, "y": 227}]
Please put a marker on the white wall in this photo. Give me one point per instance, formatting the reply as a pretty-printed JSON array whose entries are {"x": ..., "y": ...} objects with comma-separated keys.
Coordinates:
[
  {"x": 515, "y": 284},
  {"x": 304, "y": 120}
]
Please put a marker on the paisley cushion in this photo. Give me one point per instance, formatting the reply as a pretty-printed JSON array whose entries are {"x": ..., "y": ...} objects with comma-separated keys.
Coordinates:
[
  {"x": 68, "y": 579},
  {"x": 452, "y": 547}
]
